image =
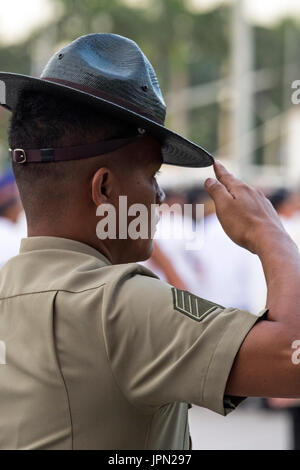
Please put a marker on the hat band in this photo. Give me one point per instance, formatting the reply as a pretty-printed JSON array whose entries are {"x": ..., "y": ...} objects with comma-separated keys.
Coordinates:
[
  {"x": 106, "y": 97},
  {"x": 69, "y": 153}
]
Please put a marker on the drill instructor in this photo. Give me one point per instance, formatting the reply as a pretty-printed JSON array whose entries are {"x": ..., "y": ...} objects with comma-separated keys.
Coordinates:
[{"x": 95, "y": 351}]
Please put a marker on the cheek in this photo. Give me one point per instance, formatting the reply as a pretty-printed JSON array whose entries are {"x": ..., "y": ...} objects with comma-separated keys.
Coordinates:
[
  {"x": 142, "y": 191},
  {"x": 150, "y": 193}
]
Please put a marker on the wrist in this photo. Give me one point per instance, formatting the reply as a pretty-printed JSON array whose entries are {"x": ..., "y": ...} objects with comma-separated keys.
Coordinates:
[{"x": 272, "y": 238}]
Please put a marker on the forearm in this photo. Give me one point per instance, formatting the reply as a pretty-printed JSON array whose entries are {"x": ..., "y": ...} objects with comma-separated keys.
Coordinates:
[
  {"x": 264, "y": 365},
  {"x": 281, "y": 263}
]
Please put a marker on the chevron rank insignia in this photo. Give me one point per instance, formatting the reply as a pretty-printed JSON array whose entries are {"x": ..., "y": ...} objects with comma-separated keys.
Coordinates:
[{"x": 191, "y": 305}]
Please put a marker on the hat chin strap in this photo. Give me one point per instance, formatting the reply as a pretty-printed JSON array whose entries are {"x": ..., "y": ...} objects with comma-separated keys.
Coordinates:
[{"x": 70, "y": 153}]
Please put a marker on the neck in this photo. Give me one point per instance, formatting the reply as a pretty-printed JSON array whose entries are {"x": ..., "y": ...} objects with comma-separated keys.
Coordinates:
[{"x": 72, "y": 233}]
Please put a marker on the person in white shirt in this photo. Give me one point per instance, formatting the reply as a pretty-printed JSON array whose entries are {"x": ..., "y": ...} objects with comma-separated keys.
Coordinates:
[
  {"x": 12, "y": 228},
  {"x": 240, "y": 281}
]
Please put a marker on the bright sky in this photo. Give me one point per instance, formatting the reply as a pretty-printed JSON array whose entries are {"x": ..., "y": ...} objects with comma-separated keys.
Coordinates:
[
  {"x": 19, "y": 17},
  {"x": 259, "y": 11}
]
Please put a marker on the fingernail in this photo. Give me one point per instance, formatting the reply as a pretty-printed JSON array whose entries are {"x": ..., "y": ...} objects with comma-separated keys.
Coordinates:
[{"x": 209, "y": 182}]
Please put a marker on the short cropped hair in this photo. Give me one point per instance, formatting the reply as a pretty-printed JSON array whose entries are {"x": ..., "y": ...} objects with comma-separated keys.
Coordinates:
[{"x": 41, "y": 120}]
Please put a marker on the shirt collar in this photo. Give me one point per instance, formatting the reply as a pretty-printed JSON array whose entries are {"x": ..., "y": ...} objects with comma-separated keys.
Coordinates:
[{"x": 57, "y": 243}]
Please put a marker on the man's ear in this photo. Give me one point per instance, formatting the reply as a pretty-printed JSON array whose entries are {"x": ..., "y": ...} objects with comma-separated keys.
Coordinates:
[{"x": 102, "y": 186}]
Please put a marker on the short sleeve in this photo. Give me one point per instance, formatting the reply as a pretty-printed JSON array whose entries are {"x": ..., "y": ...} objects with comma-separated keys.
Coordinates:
[{"x": 165, "y": 345}]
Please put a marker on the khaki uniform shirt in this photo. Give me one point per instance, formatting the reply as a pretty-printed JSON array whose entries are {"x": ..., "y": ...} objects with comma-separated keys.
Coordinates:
[{"x": 101, "y": 356}]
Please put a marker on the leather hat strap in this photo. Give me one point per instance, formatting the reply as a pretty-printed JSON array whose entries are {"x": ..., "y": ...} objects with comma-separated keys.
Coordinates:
[{"x": 69, "y": 153}]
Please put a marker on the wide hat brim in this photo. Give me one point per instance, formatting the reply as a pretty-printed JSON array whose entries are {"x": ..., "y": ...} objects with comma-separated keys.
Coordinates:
[{"x": 176, "y": 150}]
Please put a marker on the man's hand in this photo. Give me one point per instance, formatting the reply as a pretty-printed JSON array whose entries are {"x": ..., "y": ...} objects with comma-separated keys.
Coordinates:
[
  {"x": 263, "y": 365},
  {"x": 245, "y": 214}
]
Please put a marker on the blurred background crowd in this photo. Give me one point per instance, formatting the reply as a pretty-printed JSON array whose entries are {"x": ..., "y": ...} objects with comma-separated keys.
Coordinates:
[{"x": 226, "y": 69}]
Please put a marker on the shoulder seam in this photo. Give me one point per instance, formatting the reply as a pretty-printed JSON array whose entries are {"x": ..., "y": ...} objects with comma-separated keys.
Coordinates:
[{"x": 53, "y": 290}]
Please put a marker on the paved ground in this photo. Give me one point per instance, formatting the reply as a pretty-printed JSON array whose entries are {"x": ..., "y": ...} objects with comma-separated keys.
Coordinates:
[{"x": 245, "y": 428}]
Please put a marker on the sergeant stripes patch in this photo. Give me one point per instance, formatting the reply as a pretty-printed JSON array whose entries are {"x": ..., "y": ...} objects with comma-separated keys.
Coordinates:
[{"x": 191, "y": 305}]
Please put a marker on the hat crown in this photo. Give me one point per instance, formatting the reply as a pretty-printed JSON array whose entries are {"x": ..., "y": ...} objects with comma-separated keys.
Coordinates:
[{"x": 113, "y": 65}]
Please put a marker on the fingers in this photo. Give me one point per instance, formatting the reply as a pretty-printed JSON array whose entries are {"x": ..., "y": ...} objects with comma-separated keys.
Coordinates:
[
  {"x": 226, "y": 178},
  {"x": 220, "y": 189},
  {"x": 217, "y": 191}
]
